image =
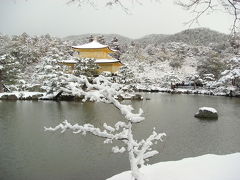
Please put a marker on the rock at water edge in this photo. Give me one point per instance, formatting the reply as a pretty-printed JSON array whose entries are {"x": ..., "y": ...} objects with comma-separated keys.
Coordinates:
[{"x": 207, "y": 113}]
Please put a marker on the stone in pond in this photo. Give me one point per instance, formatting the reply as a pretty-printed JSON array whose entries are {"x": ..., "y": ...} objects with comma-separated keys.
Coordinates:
[{"x": 206, "y": 113}]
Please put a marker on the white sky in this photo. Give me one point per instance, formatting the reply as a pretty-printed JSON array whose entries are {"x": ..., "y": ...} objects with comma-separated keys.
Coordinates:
[{"x": 55, "y": 17}]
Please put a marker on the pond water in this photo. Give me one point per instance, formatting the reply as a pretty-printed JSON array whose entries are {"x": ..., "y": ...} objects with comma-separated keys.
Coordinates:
[{"x": 29, "y": 153}]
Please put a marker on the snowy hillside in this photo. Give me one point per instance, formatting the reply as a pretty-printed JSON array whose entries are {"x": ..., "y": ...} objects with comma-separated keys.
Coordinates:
[
  {"x": 197, "y": 36},
  {"x": 31, "y": 63}
]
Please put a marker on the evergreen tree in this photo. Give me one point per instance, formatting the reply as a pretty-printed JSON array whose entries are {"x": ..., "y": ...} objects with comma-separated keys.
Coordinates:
[
  {"x": 10, "y": 69},
  {"x": 132, "y": 43},
  {"x": 211, "y": 65},
  {"x": 90, "y": 38},
  {"x": 125, "y": 76},
  {"x": 101, "y": 39},
  {"x": 86, "y": 67},
  {"x": 114, "y": 44}
]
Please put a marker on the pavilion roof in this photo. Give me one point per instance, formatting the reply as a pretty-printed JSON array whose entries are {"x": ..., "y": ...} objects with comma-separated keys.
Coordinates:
[
  {"x": 92, "y": 45},
  {"x": 106, "y": 60}
]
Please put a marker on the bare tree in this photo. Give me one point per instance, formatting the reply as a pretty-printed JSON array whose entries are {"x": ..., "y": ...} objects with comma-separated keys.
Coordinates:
[
  {"x": 200, "y": 7},
  {"x": 109, "y": 3}
]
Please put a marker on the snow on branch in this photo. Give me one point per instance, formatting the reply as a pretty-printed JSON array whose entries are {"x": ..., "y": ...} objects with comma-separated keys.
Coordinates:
[
  {"x": 109, "y": 90},
  {"x": 138, "y": 152},
  {"x": 88, "y": 128},
  {"x": 143, "y": 150},
  {"x": 103, "y": 90}
]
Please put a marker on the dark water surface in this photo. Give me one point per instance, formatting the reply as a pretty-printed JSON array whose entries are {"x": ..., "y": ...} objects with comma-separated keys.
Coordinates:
[{"x": 29, "y": 153}]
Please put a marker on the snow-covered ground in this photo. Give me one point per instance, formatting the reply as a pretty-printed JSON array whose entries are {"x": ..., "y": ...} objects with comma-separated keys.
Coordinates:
[
  {"x": 206, "y": 167},
  {"x": 21, "y": 95}
]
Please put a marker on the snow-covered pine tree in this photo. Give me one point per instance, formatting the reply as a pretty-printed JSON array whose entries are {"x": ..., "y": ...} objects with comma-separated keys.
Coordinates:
[
  {"x": 125, "y": 76},
  {"x": 235, "y": 44},
  {"x": 231, "y": 76},
  {"x": 101, "y": 39},
  {"x": 20, "y": 54},
  {"x": 114, "y": 44},
  {"x": 132, "y": 43},
  {"x": 90, "y": 38},
  {"x": 86, "y": 67},
  {"x": 10, "y": 69},
  {"x": 212, "y": 64}
]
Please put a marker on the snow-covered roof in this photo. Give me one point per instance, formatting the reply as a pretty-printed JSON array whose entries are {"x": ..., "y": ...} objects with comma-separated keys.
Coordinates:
[
  {"x": 92, "y": 45},
  {"x": 106, "y": 60},
  {"x": 71, "y": 61}
]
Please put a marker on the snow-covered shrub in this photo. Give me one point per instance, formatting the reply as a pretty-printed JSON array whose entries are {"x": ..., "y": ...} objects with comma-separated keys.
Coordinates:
[
  {"x": 10, "y": 69},
  {"x": 230, "y": 77},
  {"x": 114, "y": 44},
  {"x": 125, "y": 76},
  {"x": 176, "y": 63},
  {"x": 101, "y": 39},
  {"x": 19, "y": 54},
  {"x": 86, "y": 67},
  {"x": 211, "y": 65},
  {"x": 171, "y": 78},
  {"x": 208, "y": 77}
]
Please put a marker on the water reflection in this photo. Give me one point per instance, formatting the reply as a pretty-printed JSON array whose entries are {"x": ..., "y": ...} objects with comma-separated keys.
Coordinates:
[{"x": 27, "y": 152}]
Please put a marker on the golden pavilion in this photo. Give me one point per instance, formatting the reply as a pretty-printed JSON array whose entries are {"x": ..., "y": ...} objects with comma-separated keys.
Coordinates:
[{"x": 99, "y": 52}]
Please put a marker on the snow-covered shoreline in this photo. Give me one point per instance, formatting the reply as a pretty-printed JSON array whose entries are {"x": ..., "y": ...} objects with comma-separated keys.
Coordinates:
[
  {"x": 24, "y": 95},
  {"x": 188, "y": 91},
  {"x": 21, "y": 95},
  {"x": 207, "y": 167},
  {"x": 212, "y": 92}
]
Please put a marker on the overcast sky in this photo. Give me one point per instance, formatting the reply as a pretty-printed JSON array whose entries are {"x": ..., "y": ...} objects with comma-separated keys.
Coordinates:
[{"x": 55, "y": 17}]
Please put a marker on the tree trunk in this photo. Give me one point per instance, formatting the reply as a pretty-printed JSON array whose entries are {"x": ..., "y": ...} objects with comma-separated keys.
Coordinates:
[
  {"x": 56, "y": 98},
  {"x": 134, "y": 168}
]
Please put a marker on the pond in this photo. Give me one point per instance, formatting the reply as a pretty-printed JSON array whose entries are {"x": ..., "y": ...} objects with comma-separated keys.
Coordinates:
[{"x": 29, "y": 153}]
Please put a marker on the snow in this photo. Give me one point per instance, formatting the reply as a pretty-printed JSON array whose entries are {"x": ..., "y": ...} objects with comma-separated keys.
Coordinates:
[
  {"x": 116, "y": 149},
  {"x": 206, "y": 167},
  {"x": 71, "y": 61},
  {"x": 1, "y": 67},
  {"x": 47, "y": 67},
  {"x": 92, "y": 45},
  {"x": 106, "y": 60},
  {"x": 228, "y": 75},
  {"x": 210, "y": 109},
  {"x": 20, "y": 94},
  {"x": 109, "y": 128},
  {"x": 152, "y": 65},
  {"x": 101, "y": 89}
]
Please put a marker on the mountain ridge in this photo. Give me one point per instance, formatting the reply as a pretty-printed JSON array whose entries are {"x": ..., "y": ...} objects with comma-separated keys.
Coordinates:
[{"x": 195, "y": 36}]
